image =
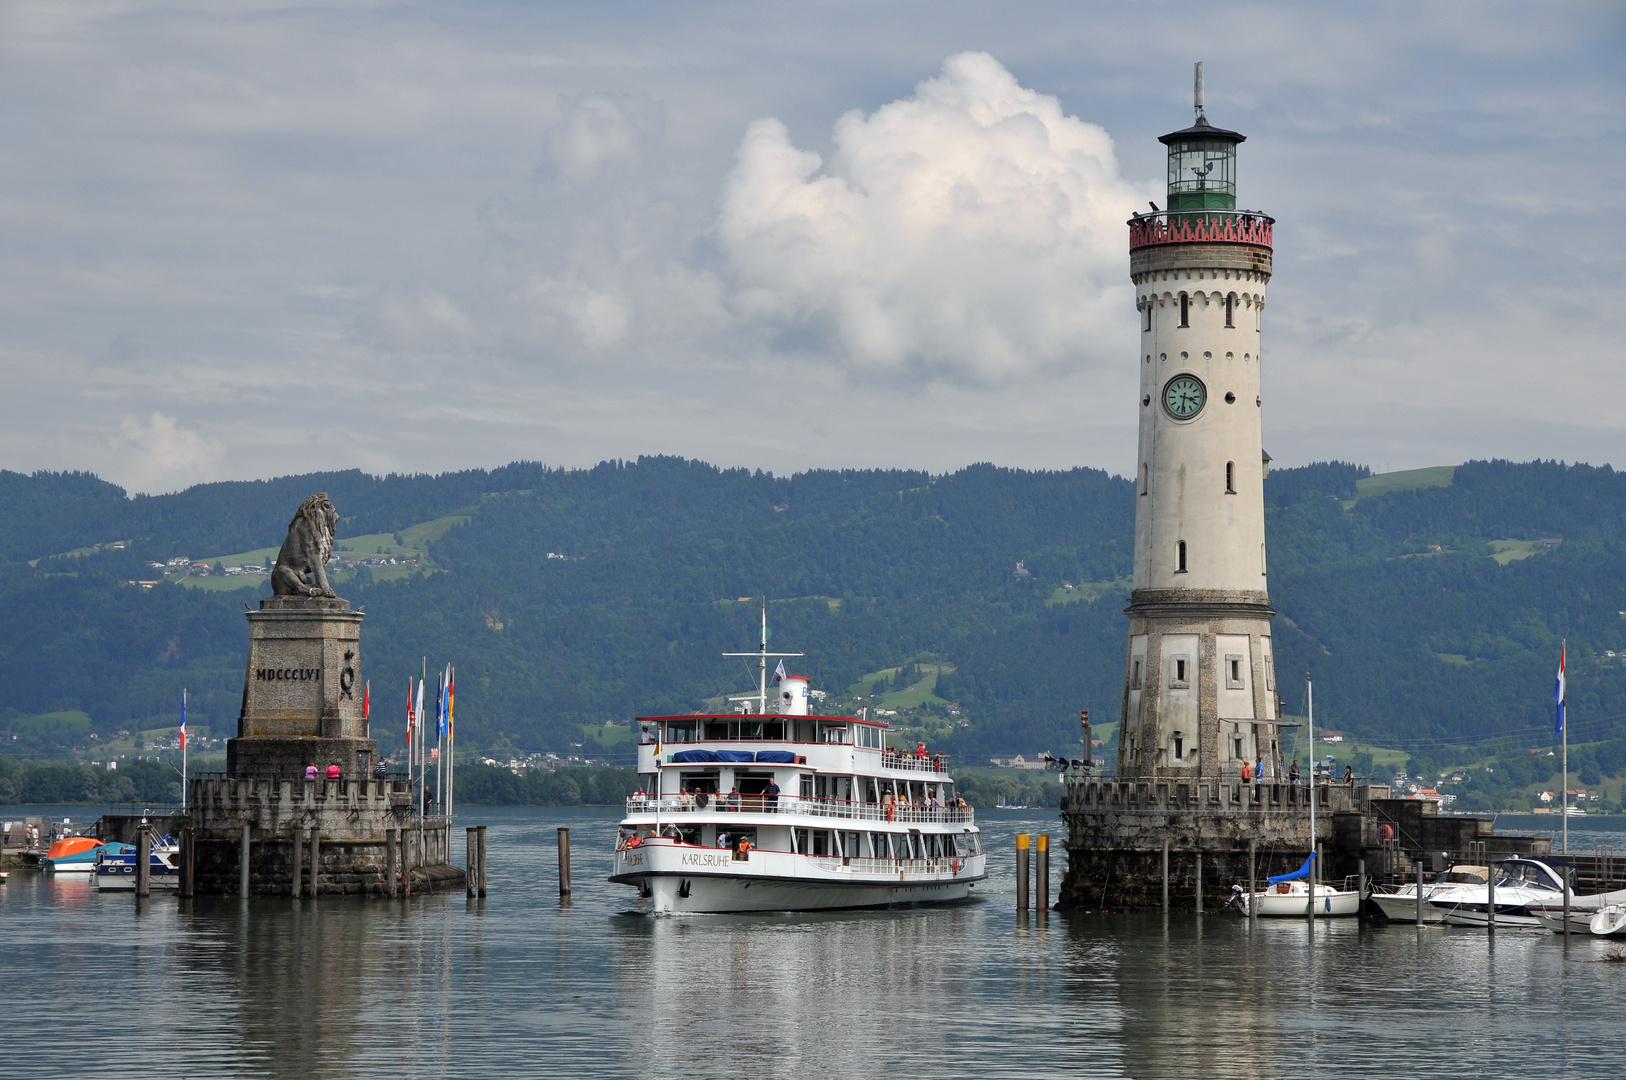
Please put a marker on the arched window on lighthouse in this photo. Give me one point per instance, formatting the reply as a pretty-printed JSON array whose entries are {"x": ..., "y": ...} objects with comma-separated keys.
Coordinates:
[
  {"x": 1180, "y": 557},
  {"x": 1185, "y": 309},
  {"x": 1230, "y": 478},
  {"x": 1230, "y": 307}
]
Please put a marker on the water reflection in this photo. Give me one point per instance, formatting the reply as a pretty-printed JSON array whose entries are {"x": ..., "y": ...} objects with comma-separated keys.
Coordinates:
[{"x": 522, "y": 985}]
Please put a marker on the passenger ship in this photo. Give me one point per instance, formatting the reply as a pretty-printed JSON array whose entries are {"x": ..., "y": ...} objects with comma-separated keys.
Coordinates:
[{"x": 789, "y": 811}]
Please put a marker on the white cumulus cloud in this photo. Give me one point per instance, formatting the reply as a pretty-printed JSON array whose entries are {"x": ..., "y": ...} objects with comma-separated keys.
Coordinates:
[
  {"x": 156, "y": 454},
  {"x": 973, "y": 231}
]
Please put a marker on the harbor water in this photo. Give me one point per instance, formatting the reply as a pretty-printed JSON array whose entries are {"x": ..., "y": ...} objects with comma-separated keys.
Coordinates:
[{"x": 522, "y": 985}]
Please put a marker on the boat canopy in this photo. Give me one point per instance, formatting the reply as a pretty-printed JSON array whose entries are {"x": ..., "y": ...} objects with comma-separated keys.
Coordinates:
[
  {"x": 1301, "y": 872},
  {"x": 690, "y": 757}
]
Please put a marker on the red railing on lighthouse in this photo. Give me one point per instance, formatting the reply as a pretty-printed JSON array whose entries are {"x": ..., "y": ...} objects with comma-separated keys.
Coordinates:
[{"x": 1200, "y": 227}]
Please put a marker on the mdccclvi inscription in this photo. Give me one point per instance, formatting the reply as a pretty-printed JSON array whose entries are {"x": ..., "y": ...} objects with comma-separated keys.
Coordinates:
[{"x": 287, "y": 674}]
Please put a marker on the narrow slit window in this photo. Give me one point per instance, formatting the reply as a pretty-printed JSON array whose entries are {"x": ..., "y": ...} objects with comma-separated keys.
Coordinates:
[
  {"x": 1148, "y": 325},
  {"x": 1185, "y": 310},
  {"x": 1143, "y": 477},
  {"x": 1179, "y": 745},
  {"x": 1179, "y": 671},
  {"x": 1236, "y": 671},
  {"x": 1180, "y": 557},
  {"x": 1230, "y": 308},
  {"x": 1230, "y": 478}
]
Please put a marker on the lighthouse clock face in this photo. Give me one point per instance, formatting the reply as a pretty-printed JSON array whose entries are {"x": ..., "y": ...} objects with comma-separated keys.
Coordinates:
[{"x": 1184, "y": 396}]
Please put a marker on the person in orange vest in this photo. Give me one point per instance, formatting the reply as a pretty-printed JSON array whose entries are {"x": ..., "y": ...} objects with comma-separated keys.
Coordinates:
[{"x": 1247, "y": 772}]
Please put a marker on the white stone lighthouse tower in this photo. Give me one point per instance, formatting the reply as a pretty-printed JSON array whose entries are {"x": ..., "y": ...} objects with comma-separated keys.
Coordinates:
[{"x": 1199, "y": 687}]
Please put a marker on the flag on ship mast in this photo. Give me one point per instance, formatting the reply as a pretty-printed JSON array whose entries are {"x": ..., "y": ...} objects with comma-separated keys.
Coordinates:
[
  {"x": 1558, "y": 694},
  {"x": 779, "y": 672},
  {"x": 183, "y": 718}
]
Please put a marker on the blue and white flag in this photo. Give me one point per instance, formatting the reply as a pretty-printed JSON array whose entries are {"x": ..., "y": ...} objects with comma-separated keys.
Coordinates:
[
  {"x": 1558, "y": 694},
  {"x": 779, "y": 672}
]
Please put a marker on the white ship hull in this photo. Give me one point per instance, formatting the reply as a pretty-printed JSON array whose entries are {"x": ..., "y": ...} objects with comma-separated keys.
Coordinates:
[
  {"x": 674, "y": 878},
  {"x": 1295, "y": 903}
]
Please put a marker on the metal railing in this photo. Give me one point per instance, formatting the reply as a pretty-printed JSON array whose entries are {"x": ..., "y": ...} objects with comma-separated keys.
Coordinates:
[
  {"x": 944, "y": 866},
  {"x": 806, "y": 807},
  {"x": 1201, "y": 227},
  {"x": 896, "y": 759}
]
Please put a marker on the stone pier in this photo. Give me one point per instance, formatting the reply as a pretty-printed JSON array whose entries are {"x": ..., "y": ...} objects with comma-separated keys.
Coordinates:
[{"x": 1117, "y": 833}]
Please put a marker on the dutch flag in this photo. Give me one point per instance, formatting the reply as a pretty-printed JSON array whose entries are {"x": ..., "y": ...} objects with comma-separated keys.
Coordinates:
[{"x": 1558, "y": 694}]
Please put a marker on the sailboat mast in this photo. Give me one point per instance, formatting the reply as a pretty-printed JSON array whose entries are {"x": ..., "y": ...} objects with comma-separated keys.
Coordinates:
[
  {"x": 1564, "y": 796},
  {"x": 1315, "y": 869},
  {"x": 762, "y": 664}
]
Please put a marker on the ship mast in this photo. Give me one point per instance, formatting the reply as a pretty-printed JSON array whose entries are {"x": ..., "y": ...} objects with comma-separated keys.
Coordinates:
[{"x": 762, "y": 655}]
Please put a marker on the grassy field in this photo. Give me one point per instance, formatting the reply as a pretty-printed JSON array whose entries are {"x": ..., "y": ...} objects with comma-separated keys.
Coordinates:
[
  {"x": 1405, "y": 480},
  {"x": 1506, "y": 551},
  {"x": 415, "y": 542}
]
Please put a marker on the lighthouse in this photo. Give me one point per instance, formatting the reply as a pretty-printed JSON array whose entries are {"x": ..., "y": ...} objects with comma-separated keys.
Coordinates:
[{"x": 1199, "y": 684}]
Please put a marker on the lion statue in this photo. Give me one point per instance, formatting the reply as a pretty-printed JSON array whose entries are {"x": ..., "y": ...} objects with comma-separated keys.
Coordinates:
[{"x": 301, "y": 568}]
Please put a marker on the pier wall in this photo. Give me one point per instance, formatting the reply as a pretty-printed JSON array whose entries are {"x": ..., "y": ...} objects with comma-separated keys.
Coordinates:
[
  {"x": 1117, "y": 833},
  {"x": 352, "y": 819}
]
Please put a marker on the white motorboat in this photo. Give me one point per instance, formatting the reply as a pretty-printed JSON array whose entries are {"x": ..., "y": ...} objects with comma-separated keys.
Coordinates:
[
  {"x": 1608, "y": 922},
  {"x": 1522, "y": 885},
  {"x": 789, "y": 811},
  {"x": 115, "y": 871},
  {"x": 1291, "y": 899},
  {"x": 1400, "y": 904}
]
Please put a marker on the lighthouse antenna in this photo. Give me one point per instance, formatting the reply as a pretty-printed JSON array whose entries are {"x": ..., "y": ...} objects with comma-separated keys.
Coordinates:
[{"x": 1197, "y": 90}]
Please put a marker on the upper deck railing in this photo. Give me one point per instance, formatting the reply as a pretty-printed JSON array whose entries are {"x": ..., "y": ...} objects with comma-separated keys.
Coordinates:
[
  {"x": 1201, "y": 227},
  {"x": 677, "y": 805}
]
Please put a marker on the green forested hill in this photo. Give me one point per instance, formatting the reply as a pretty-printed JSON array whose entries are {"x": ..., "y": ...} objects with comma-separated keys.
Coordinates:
[{"x": 1415, "y": 634}]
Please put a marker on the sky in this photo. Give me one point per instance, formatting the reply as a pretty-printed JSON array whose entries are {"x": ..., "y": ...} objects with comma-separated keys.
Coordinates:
[{"x": 245, "y": 240}]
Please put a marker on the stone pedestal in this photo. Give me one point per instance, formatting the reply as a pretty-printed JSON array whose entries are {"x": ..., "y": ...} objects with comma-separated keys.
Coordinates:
[{"x": 302, "y": 692}]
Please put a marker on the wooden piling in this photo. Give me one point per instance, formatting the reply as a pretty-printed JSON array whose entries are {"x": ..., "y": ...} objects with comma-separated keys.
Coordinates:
[
  {"x": 1253, "y": 905},
  {"x": 1360, "y": 887},
  {"x": 316, "y": 859},
  {"x": 1022, "y": 842},
  {"x": 1567, "y": 879},
  {"x": 1199, "y": 883},
  {"x": 406, "y": 862},
  {"x": 1490, "y": 900},
  {"x": 1041, "y": 876},
  {"x": 482, "y": 862},
  {"x": 391, "y": 871},
  {"x": 143, "y": 862},
  {"x": 242, "y": 865},
  {"x": 471, "y": 860},
  {"x": 296, "y": 844},
  {"x": 189, "y": 858},
  {"x": 1165, "y": 876},
  {"x": 564, "y": 862},
  {"x": 1419, "y": 889}
]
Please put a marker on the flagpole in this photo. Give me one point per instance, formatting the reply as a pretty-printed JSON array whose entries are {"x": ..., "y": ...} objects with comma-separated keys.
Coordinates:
[
  {"x": 451, "y": 737},
  {"x": 183, "y": 749},
  {"x": 1564, "y": 798}
]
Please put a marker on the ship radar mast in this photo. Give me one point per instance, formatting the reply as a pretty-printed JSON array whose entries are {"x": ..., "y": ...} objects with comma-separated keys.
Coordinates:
[{"x": 762, "y": 654}]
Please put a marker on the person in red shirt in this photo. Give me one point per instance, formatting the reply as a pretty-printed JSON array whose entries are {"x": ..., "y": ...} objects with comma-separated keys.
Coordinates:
[{"x": 333, "y": 771}]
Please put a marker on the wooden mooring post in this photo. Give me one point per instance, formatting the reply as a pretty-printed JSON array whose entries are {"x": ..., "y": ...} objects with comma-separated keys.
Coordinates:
[
  {"x": 1199, "y": 883},
  {"x": 1022, "y": 842},
  {"x": 1419, "y": 889},
  {"x": 1041, "y": 876},
  {"x": 564, "y": 862},
  {"x": 1490, "y": 900},
  {"x": 143, "y": 861},
  {"x": 189, "y": 862},
  {"x": 316, "y": 858},
  {"x": 392, "y": 871},
  {"x": 242, "y": 865},
  {"x": 471, "y": 860},
  {"x": 1165, "y": 876},
  {"x": 1360, "y": 888},
  {"x": 1569, "y": 877},
  {"x": 1253, "y": 903},
  {"x": 296, "y": 845},
  {"x": 482, "y": 862}
]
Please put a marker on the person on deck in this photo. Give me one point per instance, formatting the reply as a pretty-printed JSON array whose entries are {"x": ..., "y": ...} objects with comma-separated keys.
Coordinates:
[
  {"x": 772, "y": 793},
  {"x": 734, "y": 799},
  {"x": 1247, "y": 771},
  {"x": 1259, "y": 770},
  {"x": 1349, "y": 776},
  {"x": 1293, "y": 773}
]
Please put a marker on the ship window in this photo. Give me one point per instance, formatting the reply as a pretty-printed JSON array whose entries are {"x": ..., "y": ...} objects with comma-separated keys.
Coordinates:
[
  {"x": 681, "y": 732},
  {"x": 800, "y": 841},
  {"x": 806, "y": 787},
  {"x": 1185, "y": 310},
  {"x": 1180, "y": 557},
  {"x": 832, "y": 733},
  {"x": 1230, "y": 478}
]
